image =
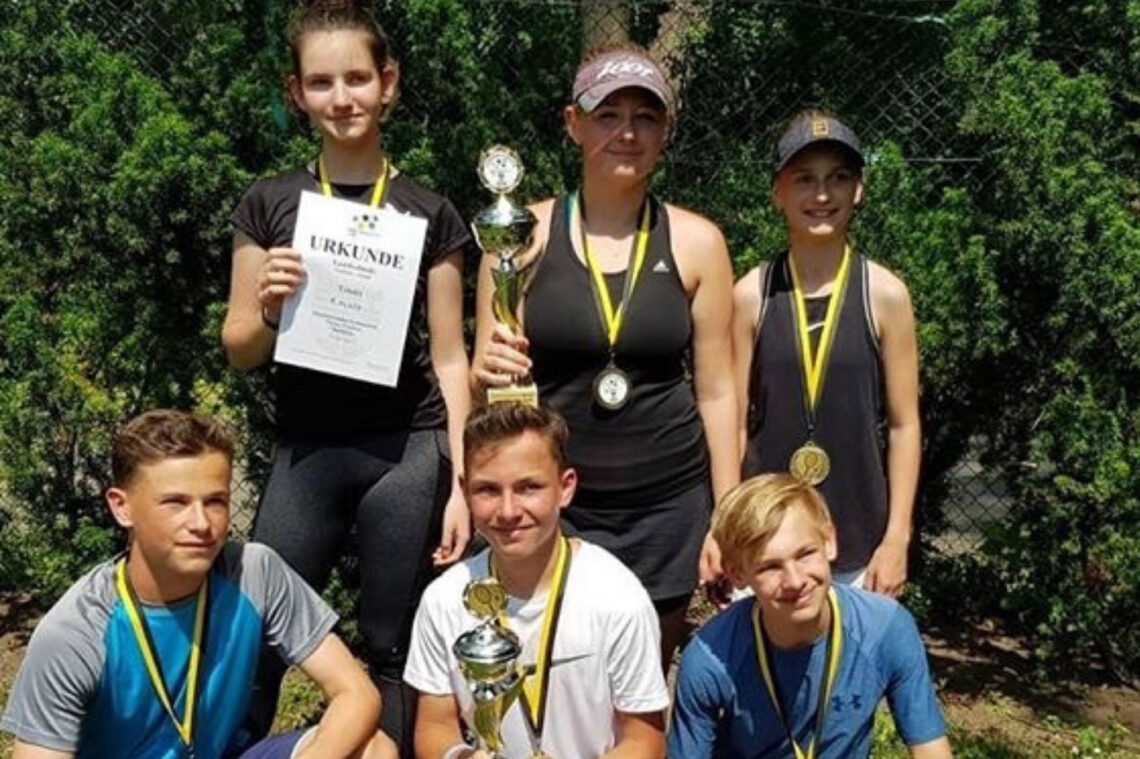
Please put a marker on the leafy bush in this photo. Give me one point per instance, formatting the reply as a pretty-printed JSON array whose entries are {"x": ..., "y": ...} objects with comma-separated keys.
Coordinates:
[
  {"x": 1066, "y": 249},
  {"x": 111, "y": 254},
  {"x": 1017, "y": 234}
]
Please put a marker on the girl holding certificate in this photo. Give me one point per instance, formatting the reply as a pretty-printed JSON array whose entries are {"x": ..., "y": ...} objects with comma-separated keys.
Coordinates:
[
  {"x": 825, "y": 342},
  {"x": 627, "y": 334},
  {"x": 351, "y": 453}
]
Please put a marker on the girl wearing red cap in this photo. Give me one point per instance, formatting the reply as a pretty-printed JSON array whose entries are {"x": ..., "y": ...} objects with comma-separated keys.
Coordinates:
[
  {"x": 825, "y": 347},
  {"x": 627, "y": 333}
]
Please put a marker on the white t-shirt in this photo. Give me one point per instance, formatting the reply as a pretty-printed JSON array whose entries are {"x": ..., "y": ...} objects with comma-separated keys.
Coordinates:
[{"x": 606, "y": 657}]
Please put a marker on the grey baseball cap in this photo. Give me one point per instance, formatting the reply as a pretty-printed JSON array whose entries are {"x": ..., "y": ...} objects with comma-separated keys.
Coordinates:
[
  {"x": 610, "y": 72},
  {"x": 810, "y": 129}
]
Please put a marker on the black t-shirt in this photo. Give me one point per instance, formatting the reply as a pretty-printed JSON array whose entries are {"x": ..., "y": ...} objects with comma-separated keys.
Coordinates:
[{"x": 311, "y": 404}]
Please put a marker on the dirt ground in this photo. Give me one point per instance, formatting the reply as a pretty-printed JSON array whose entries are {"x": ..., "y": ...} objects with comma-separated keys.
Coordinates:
[
  {"x": 984, "y": 678},
  {"x": 986, "y": 682},
  {"x": 18, "y": 617}
]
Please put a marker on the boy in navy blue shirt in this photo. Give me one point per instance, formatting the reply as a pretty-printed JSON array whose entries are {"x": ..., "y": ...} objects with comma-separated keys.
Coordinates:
[{"x": 798, "y": 670}]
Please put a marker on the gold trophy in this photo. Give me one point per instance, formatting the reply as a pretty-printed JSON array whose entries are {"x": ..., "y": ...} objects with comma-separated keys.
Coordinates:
[
  {"x": 503, "y": 230},
  {"x": 488, "y": 657}
]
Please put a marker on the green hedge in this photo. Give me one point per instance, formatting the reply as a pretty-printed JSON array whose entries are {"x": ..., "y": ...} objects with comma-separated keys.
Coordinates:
[{"x": 1016, "y": 231}]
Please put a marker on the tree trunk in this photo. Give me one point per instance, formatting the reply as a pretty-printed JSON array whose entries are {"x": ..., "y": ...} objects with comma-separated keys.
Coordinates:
[
  {"x": 668, "y": 49},
  {"x": 608, "y": 21},
  {"x": 604, "y": 22}
]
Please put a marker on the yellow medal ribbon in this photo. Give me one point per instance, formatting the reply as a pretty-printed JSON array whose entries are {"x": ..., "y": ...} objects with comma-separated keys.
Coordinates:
[
  {"x": 815, "y": 363},
  {"x": 535, "y": 686},
  {"x": 377, "y": 190},
  {"x": 185, "y": 726},
  {"x": 831, "y": 673},
  {"x": 613, "y": 317}
]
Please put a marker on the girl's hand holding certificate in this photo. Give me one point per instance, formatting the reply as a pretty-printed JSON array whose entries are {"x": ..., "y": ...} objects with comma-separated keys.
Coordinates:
[{"x": 280, "y": 275}]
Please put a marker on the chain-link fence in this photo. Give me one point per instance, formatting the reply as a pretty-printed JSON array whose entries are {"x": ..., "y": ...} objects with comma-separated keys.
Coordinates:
[
  {"x": 477, "y": 71},
  {"x": 741, "y": 69}
]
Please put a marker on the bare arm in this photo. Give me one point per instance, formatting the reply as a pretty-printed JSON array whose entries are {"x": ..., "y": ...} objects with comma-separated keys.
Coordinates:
[
  {"x": 350, "y": 721},
  {"x": 28, "y": 751},
  {"x": 449, "y": 360},
  {"x": 437, "y": 726},
  {"x": 640, "y": 736},
  {"x": 938, "y": 748},
  {"x": 706, "y": 265},
  {"x": 260, "y": 281},
  {"x": 706, "y": 273},
  {"x": 745, "y": 315},
  {"x": 894, "y": 317}
]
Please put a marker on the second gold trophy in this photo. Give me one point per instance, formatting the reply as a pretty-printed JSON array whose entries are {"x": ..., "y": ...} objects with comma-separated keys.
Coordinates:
[{"x": 503, "y": 230}]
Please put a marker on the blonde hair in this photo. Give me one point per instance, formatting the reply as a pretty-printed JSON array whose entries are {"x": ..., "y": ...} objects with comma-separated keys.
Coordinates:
[{"x": 750, "y": 514}]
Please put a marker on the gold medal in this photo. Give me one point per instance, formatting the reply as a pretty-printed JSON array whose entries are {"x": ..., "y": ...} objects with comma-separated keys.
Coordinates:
[
  {"x": 810, "y": 464},
  {"x": 485, "y": 598}
]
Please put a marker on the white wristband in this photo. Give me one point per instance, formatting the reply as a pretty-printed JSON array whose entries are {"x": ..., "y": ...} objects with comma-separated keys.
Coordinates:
[{"x": 456, "y": 750}]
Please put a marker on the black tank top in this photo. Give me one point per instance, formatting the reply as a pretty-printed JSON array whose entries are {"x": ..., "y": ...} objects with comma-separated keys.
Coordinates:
[
  {"x": 849, "y": 414},
  {"x": 654, "y": 447}
]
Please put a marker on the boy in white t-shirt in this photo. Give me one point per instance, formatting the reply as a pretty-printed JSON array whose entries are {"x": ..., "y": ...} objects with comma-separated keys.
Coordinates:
[{"x": 599, "y": 691}]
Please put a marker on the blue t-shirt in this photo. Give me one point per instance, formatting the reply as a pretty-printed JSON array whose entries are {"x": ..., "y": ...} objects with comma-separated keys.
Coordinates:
[
  {"x": 722, "y": 707},
  {"x": 84, "y": 689}
]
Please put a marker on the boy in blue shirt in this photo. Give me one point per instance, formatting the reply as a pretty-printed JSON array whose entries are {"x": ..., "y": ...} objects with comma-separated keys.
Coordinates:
[
  {"x": 797, "y": 671},
  {"x": 152, "y": 654}
]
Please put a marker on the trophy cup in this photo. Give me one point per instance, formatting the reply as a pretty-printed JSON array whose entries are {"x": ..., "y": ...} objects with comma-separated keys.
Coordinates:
[
  {"x": 503, "y": 229},
  {"x": 488, "y": 657}
]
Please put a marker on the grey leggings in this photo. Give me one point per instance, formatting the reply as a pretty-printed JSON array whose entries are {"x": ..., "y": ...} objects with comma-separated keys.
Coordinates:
[{"x": 392, "y": 488}]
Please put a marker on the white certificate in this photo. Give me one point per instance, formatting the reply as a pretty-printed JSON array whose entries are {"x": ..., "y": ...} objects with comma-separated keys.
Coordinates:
[{"x": 350, "y": 317}]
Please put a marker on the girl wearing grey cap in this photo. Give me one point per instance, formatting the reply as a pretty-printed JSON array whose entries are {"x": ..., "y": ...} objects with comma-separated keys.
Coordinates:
[
  {"x": 825, "y": 345},
  {"x": 624, "y": 288}
]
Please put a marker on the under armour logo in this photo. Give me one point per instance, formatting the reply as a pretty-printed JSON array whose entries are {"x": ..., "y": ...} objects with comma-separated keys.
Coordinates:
[{"x": 855, "y": 702}]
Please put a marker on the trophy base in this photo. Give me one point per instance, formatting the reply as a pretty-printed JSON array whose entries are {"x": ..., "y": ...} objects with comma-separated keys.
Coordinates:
[{"x": 525, "y": 394}]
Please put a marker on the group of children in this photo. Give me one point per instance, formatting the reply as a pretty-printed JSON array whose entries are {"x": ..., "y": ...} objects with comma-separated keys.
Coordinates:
[
  {"x": 662, "y": 386},
  {"x": 153, "y": 654}
]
